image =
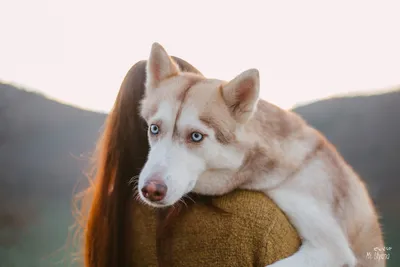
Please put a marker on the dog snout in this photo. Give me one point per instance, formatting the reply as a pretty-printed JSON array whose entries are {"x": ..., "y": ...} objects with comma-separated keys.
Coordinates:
[{"x": 154, "y": 190}]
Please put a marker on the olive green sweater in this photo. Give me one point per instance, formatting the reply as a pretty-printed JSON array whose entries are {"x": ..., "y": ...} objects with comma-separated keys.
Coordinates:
[{"x": 255, "y": 233}]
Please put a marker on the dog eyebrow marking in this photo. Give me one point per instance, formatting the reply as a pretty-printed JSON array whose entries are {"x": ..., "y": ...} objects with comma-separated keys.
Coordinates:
[
  {"x": 224, "y": 137},
  {"x": 182, "y": 97}
]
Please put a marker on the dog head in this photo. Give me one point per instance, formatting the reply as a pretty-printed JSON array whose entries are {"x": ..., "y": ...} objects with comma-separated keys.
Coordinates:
[{"x": 193, "y": 126}]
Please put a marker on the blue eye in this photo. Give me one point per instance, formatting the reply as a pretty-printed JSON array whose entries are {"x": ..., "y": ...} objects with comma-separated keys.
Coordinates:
[
  {"x": 196, "y": 137},
  {"x": 154, "y": 129}
]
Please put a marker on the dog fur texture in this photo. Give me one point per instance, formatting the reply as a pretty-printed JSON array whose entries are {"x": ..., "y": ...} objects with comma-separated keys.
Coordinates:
[{"x": 248, "y": 143}]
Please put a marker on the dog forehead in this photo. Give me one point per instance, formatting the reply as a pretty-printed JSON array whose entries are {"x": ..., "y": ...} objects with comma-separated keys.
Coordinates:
[
  {"x": 166, "y": 97},
  {"x": 199, "y": 100},
  {"x": 202, "y": 95},
  {"x": 182, "y": 101},
  {"x": 189, "y": 116}
]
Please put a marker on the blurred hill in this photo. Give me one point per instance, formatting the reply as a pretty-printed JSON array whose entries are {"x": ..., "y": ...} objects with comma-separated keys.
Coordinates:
[{"x": 45, "y": 147}]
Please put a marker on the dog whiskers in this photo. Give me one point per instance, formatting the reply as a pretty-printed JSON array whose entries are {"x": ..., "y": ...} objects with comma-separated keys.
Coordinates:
[
  {"x": 184, "y": 203},
  {"x": 134, "y": 180},
  {"x": 187, "y": 196}
]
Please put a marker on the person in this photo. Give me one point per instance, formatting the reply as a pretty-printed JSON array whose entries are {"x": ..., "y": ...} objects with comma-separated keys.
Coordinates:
[{"x": 242, "y": 228}]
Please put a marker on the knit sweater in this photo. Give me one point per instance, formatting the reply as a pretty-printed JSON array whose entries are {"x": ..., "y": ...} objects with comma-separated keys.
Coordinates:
[{"x": 255, "y": 232}]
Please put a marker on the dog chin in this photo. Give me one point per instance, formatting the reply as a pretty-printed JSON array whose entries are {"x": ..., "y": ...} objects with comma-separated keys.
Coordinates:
[{"x": 158, "y": 204}]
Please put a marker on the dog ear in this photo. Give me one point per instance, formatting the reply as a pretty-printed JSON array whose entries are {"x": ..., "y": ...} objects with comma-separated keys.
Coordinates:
[
  {"x": 241, "y": 94},
  {"x": 160, "y": 66}
]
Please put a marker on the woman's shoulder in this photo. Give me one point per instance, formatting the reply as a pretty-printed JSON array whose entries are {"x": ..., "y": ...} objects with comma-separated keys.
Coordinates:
[
  {"x": 251, "y": 205},
  {"x": 277, "y": 238},
  {"x": 257, "y": 210}
]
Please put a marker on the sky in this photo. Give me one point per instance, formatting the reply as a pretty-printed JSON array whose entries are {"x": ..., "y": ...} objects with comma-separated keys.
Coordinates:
[{"x": 78, "y": 51}]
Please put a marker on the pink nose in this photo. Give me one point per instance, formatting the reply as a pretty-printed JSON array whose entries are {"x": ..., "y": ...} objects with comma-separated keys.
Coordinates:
[{"x": 154, "y": 190}]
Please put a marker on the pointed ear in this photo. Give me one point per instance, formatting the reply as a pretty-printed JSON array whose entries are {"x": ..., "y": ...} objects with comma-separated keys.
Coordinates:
[
  {"x": 241, "y": 94},
  {"x": 160, "y": 66}
]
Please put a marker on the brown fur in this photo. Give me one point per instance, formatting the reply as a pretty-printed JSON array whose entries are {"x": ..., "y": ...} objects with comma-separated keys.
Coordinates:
[
  {"x": 192, "y": 81},
  {"x": 224, "y": 126},
  {"x": 276, "y": 121},
  {"x": 222, "y": 135},
  {"x": 257, "y": 160},
  {"x": 181, "y": 98}
]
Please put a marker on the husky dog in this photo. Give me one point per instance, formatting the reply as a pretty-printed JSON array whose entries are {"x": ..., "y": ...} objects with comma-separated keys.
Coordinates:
[{"x": 210, "y": 137}]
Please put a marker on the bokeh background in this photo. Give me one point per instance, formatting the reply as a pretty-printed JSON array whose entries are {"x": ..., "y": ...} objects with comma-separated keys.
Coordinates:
[{"x": 335, "y": 63}]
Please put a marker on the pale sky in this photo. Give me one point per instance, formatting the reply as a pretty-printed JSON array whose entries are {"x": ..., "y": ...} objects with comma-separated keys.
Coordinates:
[{"x": 78, "y": 51}]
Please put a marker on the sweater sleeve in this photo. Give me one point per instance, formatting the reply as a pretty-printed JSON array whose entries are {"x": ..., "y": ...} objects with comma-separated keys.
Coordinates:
[
  {"x": 263, "y": 231},
  {"x": 281, "y": 240}
]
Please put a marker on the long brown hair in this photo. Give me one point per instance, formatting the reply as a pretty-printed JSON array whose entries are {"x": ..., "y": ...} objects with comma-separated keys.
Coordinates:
[{"x": 121, "y": 153}]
